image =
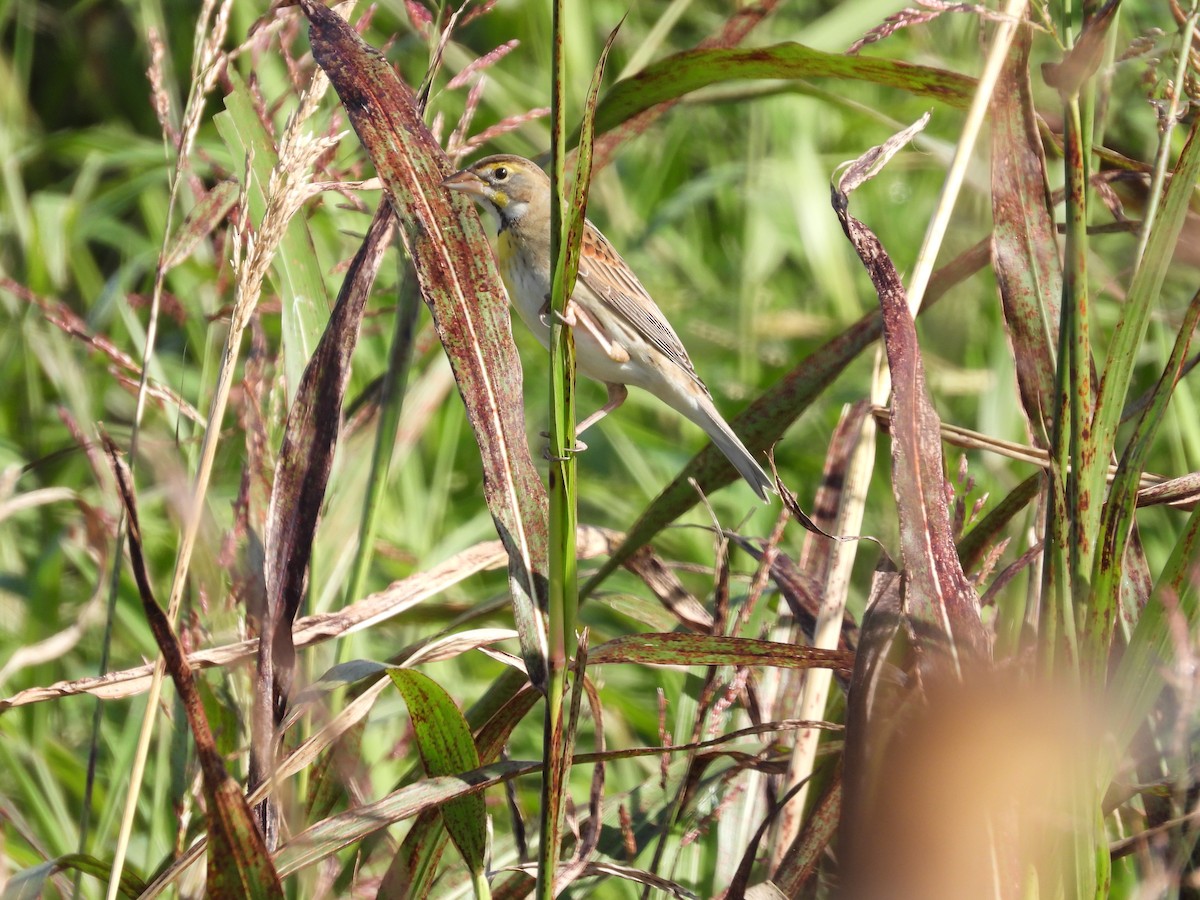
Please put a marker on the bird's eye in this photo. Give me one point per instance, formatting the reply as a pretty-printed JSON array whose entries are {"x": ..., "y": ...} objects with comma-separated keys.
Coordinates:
[{"x": 500, "y": 173}]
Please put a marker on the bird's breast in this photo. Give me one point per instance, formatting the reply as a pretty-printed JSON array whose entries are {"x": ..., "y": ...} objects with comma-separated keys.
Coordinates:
[
  {"x": 527, "y": 283},
  {"x": 528, "y": 286}
]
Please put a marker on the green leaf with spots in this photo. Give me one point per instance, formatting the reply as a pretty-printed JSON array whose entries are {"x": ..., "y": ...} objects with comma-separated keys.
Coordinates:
[{"x": 447, "y": 748}]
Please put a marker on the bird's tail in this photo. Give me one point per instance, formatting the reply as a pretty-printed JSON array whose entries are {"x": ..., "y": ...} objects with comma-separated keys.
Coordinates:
[{"x": 705, "y": 414}]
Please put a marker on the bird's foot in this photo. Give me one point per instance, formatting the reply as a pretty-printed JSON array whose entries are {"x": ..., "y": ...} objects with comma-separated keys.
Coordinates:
[
  {"x": 546, "y": 315},
  {"x": 579, "y": 447}
]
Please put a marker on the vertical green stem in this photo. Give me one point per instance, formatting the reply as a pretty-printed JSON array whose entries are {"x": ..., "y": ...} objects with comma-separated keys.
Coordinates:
[
  {"x": 1076, "y": 497},
  {"x": 563, "y": 589}
]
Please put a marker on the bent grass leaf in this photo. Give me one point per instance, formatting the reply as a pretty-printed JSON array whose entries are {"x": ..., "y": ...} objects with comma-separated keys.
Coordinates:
[
  {"x": 683, "y": 73},
  {"x": 459, "y": 282},
  {"x": 740, "y": 23},
  {"x": 679, "y": 606},
  {"x": 342, "y": 675},
  {"x": 328, "y": 837}
]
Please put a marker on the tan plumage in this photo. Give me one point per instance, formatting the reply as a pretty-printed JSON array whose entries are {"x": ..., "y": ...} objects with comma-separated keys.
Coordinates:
[{"x": 621, "y": 336}]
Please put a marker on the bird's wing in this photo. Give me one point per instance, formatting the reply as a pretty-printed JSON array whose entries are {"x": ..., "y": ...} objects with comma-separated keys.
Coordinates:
[{"x": 607, "y": 276}]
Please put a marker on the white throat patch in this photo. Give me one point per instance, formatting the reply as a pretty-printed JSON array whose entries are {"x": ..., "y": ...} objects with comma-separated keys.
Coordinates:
[{"x": 515, "y": 210}]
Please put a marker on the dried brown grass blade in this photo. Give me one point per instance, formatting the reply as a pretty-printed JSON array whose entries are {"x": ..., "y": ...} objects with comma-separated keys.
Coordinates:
[
  {"x": 825, "y": 565},
  {"x": 238, "y": 862},
  {"x": 1024, "y": 242},
  {"x": 589, "y": 838},
  {"x": 301, "y": 476},
  {"x": 937, "y": 592},
  {"x": 1181, "y": 492},
  {"x": 872, "y": 696}
]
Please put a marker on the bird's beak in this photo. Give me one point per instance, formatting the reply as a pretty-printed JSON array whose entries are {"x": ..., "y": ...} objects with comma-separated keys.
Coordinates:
[{"x": 466, "y": 182}]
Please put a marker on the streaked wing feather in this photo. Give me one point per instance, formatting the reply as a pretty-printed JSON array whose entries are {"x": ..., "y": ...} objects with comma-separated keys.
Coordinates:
[{"x": 613, "y": 282}]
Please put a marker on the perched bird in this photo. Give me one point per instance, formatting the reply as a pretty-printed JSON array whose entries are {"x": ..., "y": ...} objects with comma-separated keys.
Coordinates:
[{"x": 621, "y": 336}]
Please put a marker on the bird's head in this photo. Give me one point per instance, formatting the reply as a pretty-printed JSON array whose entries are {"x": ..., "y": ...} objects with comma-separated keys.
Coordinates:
[{"x": 506, "y": 187}]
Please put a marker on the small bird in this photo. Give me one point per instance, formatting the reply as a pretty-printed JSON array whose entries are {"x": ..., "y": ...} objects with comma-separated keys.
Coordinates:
[{"x": 621, "y": 336}]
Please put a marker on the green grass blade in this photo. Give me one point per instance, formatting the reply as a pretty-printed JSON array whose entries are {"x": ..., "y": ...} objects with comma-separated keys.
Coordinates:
[
  {"x": 1123, "y": 354},
  {"x": 563, "y": 593},
  {"x": 1153, "y": 653},
  {"x": 566, "y": 238},
  {"x": 685, "y": 72},
  {"x": 1146, "y": 286},
  {"x": 31, "y": 884},
  {"x": 1117, "y": 518}
]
